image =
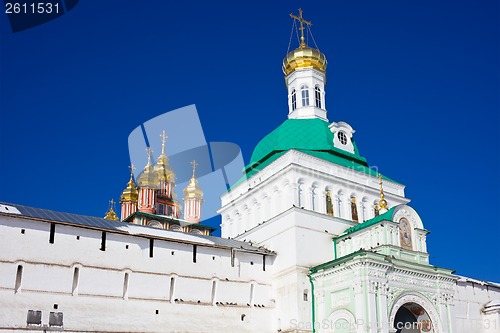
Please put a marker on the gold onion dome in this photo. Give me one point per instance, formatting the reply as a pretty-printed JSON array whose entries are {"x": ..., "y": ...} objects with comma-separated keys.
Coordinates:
[
  {"x": 303, "y": 57},
  {"x": 110, "y": 214},
  {"x": 193, "y": 189},
  {"x": 148, "y": 178},
  {"x": 162, "y": 168},
  {"x": 130, "y": 193}
]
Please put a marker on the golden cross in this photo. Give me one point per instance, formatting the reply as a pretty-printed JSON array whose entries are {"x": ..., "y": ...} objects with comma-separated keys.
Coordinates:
[
  {"x": 112, "y": 203},
  {"x": 194, "y": 164},
  {"x": 132, "y": 169},
  {"x": 381, "y": 188},
  {"x": 149, "y": 151},
  {"x": 302, "y": 21},
  {"x": 164, "y": 138}
]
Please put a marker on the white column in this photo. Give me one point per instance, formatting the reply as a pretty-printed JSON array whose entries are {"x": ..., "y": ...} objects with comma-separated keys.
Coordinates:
[
  {"x": 359, "y": 304},
  {"x": 383, "y": 319},
  {"x": 338, "y": 210},
  {"x": 362, "y": 213},
  {"x": 295, "y": 188},
  {"x": 322, "y": 201},
  {"x": 372, "y": 306},
  {"x": 311, "y": 199}
]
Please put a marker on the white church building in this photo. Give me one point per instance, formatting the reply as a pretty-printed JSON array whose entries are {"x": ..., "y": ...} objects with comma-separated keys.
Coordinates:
[{"x": 312, "y": 240}]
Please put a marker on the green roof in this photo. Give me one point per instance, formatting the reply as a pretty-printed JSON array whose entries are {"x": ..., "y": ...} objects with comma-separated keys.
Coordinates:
[
  {"x": 300, "y": 134},
  {"x": 310, "y": 136},
  {"x": 387, "y": 216}
]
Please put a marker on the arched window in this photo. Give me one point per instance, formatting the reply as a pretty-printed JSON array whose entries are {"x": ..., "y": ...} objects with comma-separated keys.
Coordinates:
[
  {"x": 317, "y": 96},
  {"x": 375, "y": 210},
  {"x": 329, "y": 204},
  {"x": 294, "y": 100},
  {"x": 354, "y": 209},
  {"x": 305, "y": 95},
  {"x": 305, "y": 295}
]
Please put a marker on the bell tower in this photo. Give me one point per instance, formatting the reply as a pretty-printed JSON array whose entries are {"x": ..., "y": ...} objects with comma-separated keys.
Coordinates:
[
  {"x": 147, "y": 187},
  {"x": 305, "y": 77},
  {"x": 193, "y": 198}
]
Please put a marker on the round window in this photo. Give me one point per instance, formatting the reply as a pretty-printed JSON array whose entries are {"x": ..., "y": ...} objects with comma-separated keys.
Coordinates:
[{"x": 342, "y": 137}]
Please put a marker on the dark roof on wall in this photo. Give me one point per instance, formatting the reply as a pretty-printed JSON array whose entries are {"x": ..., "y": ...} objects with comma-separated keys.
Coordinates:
[{"x": 92, "y": 222}]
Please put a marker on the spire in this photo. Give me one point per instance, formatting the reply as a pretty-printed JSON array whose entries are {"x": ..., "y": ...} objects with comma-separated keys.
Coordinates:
[
  {"x": 382, "y": 204},
  {"x": 110, "y": 214},
  {"x": 302, "y": 21}
]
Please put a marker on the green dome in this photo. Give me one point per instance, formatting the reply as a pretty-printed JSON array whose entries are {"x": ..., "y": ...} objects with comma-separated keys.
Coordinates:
[
  {"x": 300, "y": 134},
  {"x": 309, "y": 136}
]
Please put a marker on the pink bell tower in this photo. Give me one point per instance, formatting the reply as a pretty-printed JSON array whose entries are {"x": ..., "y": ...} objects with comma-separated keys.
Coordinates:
[
  {"x": 193, "y": 198},
  {"x": 147, "y": 187}
]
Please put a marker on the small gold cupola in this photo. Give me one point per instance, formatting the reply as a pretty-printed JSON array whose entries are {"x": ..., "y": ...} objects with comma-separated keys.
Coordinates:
[
  {"x": 193, "y": 189},
  {"x": 147, "y": 178},
  {"x": 130, "y": 193},
  {"x": 130, "y": 197},
  {"x": 162, "y": 168},
  {"x": 303, "y": 56},
  {"x": 110, "y": 214}
]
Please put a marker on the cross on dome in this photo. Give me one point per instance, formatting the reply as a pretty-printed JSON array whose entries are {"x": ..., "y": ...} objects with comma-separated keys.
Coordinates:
[
  {"x": 194, "y": 164},
  {"x": 132, "y": 169},
  {"x": 149, "y": 151},
  {"x": 164, "y": 138},
  {"x": 302, "y": 22},
  {"x": 382, "y": 205}
]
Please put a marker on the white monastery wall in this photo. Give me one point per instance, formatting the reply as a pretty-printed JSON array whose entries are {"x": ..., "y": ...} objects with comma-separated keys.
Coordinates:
[
  {"x": 102, "y": 290},
  {"x": 470, "y": 299}
]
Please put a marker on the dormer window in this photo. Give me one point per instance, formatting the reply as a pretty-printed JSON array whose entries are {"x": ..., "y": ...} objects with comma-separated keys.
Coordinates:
[
  {"x": 317, "y": 96},
  {"x": 294, "y": 100},
  {"x": 305, "y": 95}
]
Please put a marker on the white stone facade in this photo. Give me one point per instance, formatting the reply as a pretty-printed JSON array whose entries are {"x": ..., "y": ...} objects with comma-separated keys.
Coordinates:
[{"x": 301, "y": 180}]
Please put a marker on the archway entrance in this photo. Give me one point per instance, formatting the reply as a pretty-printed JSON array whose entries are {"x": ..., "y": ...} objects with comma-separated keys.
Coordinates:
[{"x": 412, "y": 318}]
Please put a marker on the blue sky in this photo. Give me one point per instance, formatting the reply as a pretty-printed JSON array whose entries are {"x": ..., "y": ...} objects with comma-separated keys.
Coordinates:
[{"x": 418, "y": 81}]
